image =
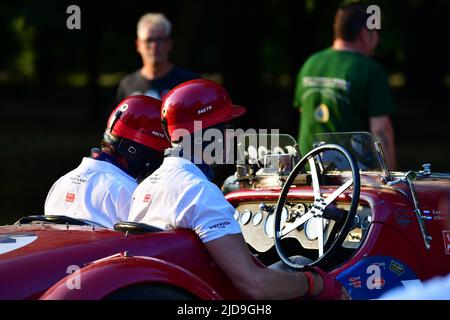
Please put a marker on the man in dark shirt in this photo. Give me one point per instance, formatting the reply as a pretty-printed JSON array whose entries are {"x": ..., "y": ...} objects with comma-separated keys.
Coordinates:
[{"x": 157, "y": 75}]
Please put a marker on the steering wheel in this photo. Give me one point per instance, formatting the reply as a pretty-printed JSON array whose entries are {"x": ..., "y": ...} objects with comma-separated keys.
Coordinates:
[{"x": 319, "y": 206}]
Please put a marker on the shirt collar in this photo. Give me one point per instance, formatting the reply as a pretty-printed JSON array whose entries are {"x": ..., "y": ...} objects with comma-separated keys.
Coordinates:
[
  {"x": 103, "y": 166},
  {"x": 181, "y": 162}
]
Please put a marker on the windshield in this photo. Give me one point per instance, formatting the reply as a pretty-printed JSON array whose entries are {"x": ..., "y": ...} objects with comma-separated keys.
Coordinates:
[
  {"x": 269, "y": 153},
  {"x": 277, "y": 154},
  {"x": 362, "y": 145}
]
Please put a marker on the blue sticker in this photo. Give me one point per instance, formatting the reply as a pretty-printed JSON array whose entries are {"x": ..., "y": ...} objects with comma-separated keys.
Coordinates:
[{"x": 374, "y": 276}]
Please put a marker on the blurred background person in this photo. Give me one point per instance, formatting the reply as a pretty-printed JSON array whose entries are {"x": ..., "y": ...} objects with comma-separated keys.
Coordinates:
[
  {"x": 341, "y": 89},
  {"x": 157, "y": 75}
]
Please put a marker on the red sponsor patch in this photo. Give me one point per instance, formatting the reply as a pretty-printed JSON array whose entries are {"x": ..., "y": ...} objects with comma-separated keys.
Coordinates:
[
  {"x": 147, "y": 197},
  {"x": 355, "y": 282},
  {"x": 446, "y": 235},
  {"x": 70, "y": 197}
]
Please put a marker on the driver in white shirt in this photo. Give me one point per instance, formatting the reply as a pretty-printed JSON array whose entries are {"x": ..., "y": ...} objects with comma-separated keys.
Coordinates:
[
  {"x": 180, "y": 195},
  {"x": 99, "y": 190}
]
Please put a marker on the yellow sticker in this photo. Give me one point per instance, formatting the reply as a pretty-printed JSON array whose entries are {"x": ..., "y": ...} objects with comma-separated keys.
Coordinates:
[{"x": 321, "y": 113}]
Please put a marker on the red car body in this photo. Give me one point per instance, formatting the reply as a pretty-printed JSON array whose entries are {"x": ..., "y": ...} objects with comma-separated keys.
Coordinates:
[
  {"x": 37, "y": 259},
  {"x": 177, "y": 258}
]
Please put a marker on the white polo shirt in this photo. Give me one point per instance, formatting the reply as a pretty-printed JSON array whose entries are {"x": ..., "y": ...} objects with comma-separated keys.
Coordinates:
[
  {"x": 96, "y": 190},
  {"x": 178, "y": 195}
]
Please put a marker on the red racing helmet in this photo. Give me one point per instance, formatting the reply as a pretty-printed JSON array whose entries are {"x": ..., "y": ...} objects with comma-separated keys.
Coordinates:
[
  {"x": 137, "y": 118},
  {"x": 197, "y": 100}
]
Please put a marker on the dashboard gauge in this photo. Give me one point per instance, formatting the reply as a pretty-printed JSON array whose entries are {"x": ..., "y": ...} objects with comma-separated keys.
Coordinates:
[
  {"x": 236, "y": 215},
  {"x": 257, "y": 218},
  {"x": 284, "y": 216},
  {"x": 245, "y": 216},
  {"x": 300, "y": 208},
  {"x": 312, "y": 226},
  {"x": 269, "y": 226},
  {"x": 366, "y": 222},
  {"x": 357, "y": 221}
]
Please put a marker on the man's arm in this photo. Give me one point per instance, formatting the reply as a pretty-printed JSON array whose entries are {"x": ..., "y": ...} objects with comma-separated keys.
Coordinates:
[
  {"x": 231, "y": 254},
  {"x": 382, "y": 128}
]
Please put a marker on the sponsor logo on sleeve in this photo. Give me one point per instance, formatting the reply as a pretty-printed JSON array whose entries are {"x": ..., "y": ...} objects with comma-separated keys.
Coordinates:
[
  {"x": 70, "y": 197},
  {"x": 147, "y": 198},
  {"x": 220, "y": 225}
]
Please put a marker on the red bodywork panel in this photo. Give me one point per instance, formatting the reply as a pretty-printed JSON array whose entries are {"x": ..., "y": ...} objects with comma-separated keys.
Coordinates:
[
  {"x": 38, "y": 266},
  {"x": 179, "y": 258}
]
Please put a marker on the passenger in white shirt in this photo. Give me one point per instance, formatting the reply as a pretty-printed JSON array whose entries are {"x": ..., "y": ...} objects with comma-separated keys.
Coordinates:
[
  {"x": 179, "y": 195},
  {"x": 99, "y": 190}
]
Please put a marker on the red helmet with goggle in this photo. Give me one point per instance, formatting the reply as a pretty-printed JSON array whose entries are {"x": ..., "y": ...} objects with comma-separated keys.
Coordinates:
[
  {"x": 134, "y": 131},
  {"x": 197, "y": 100},
  {"x": 137, "y": 118}
]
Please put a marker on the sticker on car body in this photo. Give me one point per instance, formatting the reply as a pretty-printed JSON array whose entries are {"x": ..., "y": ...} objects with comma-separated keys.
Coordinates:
[
  {"x": 446, "y": 235},
  {"x": 14, "y": 241},
  {"x": 373, "y": 276}
]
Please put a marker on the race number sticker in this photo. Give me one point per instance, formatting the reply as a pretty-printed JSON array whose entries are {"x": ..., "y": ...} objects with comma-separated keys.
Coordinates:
[
  {"x": 14, "y": 241},
  {"x": 446, "y": 235},
  {"x": 375, "y": 280}
]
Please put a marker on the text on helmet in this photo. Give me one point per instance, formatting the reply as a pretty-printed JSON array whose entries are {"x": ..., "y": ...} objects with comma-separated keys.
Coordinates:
[
  {"x": 158, "y": 134},
  {"x": 205, "y": 109}
]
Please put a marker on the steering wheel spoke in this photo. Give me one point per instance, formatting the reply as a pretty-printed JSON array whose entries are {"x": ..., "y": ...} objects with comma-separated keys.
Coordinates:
[
  {"x": 320, "y": 230},
  {"x": 338, "y": 192},
  {"x": 315, "y": 179},
  {"x": 294, "y": 225}
]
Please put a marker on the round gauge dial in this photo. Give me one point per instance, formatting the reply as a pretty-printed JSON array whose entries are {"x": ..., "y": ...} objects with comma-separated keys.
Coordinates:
[
  {"x": 357, "y": 221},
  {"x": 245, "y": 216},
  {"x": 257, "y": 218},
  {"x": 301, "y": 209},
  {"x": 366, "y": 222},
  {"x": 269, "y": 226},
  {"x": 312, "y": 227},
  {"x": 236, "y": 215}
]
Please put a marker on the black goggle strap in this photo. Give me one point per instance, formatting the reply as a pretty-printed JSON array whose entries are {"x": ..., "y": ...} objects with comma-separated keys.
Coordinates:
[
  {"x": 117, "y": 116},
  {"x": 165, "y": 129}
]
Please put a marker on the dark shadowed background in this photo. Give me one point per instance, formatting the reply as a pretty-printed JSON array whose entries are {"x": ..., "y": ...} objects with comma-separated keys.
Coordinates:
[{"x": 57, "y": 85}]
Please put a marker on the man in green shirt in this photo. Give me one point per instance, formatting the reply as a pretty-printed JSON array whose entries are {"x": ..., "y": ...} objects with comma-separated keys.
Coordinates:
[{"x": 341, "y": 89}]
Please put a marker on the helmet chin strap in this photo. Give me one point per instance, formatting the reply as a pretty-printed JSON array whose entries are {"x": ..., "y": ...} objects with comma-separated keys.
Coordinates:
[{"x": 139, "y": 159}]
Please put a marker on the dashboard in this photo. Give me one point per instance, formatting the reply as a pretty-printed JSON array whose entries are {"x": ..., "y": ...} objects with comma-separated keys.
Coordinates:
[{"x": 257, "y": 220}]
